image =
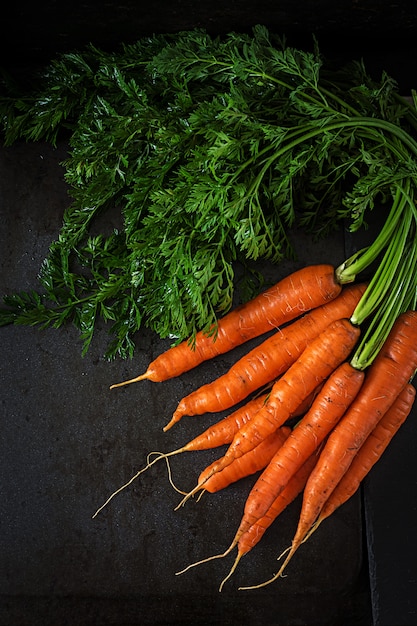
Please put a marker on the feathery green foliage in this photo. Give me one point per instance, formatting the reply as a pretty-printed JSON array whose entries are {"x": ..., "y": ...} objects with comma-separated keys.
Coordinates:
[{"x": 213, "y": 149}]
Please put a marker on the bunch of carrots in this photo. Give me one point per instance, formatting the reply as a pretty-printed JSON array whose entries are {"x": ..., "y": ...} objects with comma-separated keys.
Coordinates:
[{"x": 319, "y": 371}]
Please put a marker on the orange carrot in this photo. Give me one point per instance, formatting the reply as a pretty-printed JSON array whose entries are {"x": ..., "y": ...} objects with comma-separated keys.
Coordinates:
[
  {"x": 295, "y": 294},
  {"x": 320, "y": 358},
  {"x": 370, "y": 452},
  {"x": 328, "y": 408},
  {"x": 223, "y": 431},
  {"x": 248, "y": 540},
  {"x": 247, "y": 464},
  {"x": 294, "y": 487},
  {"x": 389, "y": 373},
  {"x": 269, "y": 360},
  {"x": 342, "y": 326}
]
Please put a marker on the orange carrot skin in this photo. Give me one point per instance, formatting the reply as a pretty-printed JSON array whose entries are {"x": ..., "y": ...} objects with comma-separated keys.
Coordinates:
[
  {"x": 295, "y": 486},
  {"x": 223, "y": 431},
  {"x": 386, "y": 377},
  {"x": 371, "y": 451},
  {"x": 389, "y": 373},
  {"x": 295, "y": 294},
  {"x": 321, "y": 357},
  {"x": 248, "y": 540},
  {"x": 270, "y": 359},
  {"x": 247, "y": 464},
  {"x": 366, "y": 457},
  {"x": 337, "y": 394}
]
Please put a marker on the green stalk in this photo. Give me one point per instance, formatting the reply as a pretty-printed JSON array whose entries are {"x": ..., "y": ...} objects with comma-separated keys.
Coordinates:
[
  {"x": 307, "y": 132},
  {"x": 393, "y": 287},
  {"x": 391, "y": 263},
  {"x": 361, "y": 260},
  {"x": 401, "y": 297}
]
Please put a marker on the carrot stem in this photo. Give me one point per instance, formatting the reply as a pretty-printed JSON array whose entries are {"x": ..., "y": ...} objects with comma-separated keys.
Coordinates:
[
  {"x": 360, "y": 261},
  {"x": 387, "y": 270},
  {"x": 402, "y": 296},
  {"x": 392, "y": 289}
]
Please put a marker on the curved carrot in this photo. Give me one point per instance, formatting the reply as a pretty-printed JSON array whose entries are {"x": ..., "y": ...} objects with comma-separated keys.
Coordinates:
[
  {"x": 249, "y": 539},
  {"x": 269, "y": 360},
  {"x": 337, "y": 394},
  {"x": 295, "y": 294},
  {"x": 294, "y": 487},
  {"x": 316, "y": 341},
  {"x": 370, "y": 452},
  {"x": 389, "y": 373},
  {"x": 320, "y": 358},
  {"x": 247, "y": 464},
  {"x": 393, "y": 367},
  {"x": 223, "y": 431}
]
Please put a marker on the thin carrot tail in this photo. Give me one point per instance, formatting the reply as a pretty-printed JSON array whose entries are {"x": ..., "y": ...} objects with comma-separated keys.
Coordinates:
[
  {"x": 191, "y": 493},
  {"x": 209, "y": 558},
  {"x": 217, "y": 467},
  {"x": 302, "y": 533},
  {"x": 149, "y": 464},
  {"x": 315, "y": 526},
  {"x": 129, "y": 382},
  {"x": 232, "y": 570},
  {"x": 177, "y": 415},
  {"x": 280, "y": 572}
]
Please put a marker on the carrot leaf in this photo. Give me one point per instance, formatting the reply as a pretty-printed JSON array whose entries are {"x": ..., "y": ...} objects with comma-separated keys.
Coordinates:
[{"x": 207, "y": 153}]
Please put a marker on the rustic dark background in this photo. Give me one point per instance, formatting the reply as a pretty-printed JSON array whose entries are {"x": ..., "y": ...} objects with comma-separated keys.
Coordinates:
[
  {"x": 67, "y": 442},
  {"x": 383, "y": 32}
]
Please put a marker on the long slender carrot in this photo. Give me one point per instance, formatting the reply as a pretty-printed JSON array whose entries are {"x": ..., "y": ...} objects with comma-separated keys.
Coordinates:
[
  {"x": 320, "y": 358},
  {"x": 223, "y": 431},
  {"x": 340, "y": 325},
  {"x": 366, "y": 457},
  {"x": 370, "y": 452},
  {"x": 393, "y": 367},
  {"x": 295, "y": 294},
  {"x": 385, "y": 378},
  {"x": 269, "y": 360},
  {"x": 337, "y": 394},
  {"x": 247, "y": 464},
  {"x": 249, "y": 539}
]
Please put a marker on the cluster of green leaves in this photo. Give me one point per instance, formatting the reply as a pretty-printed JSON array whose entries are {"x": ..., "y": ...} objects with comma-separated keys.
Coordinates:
[{"x": 213, "y": 149}]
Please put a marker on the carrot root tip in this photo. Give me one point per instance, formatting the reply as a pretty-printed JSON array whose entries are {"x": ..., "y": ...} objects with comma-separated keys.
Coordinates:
[
  {"x": 209, "y": 558},
  {"x": 280, "y": 573},
  {"x": 174, "y": 419},
  {"x": 129, "y": 382},
  {"x": 232, "y": 569},
  {"x": 149, "y": 464},
  {"x": 188, "y": 495}
]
